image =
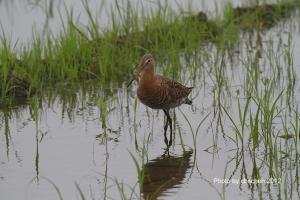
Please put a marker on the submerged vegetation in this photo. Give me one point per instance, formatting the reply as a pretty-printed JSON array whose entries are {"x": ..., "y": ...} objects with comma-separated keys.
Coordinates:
[{"x": 244, "y": 80}]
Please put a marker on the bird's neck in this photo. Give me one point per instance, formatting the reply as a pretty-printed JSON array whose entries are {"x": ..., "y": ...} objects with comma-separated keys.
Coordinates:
[{"x": 148, "y": 74}]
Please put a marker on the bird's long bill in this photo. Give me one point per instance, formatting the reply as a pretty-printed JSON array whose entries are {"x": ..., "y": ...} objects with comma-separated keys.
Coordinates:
[
  {"x": 135, "y": 76},
  {"x": 130, "y": 82}
]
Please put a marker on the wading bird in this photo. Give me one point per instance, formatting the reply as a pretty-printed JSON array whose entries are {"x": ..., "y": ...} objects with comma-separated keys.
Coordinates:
[{"x": 158, "y": 92}]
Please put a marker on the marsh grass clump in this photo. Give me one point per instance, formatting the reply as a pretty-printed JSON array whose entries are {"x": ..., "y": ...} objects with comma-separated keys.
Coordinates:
[
  {"x": 13, "y": 80},
  {"x": 263, "y": 17}
]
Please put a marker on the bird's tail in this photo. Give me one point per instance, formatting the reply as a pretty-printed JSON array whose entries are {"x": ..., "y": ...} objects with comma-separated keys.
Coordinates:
[{"x": 188, "y": 101}]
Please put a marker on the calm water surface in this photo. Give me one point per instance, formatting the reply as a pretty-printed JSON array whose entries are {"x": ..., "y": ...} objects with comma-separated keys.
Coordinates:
[{"x": 21, "y": 19}]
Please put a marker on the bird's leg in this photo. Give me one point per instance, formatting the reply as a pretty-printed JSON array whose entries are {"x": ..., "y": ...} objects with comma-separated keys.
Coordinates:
[
  {"x": 170, "y": 123},
  {"x": 171, "y": 137},
  {"x": 166, "y": 127}
]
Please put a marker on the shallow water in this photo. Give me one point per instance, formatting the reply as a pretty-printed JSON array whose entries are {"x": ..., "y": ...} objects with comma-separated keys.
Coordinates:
[
  {"x": 68, "y": 146},
  {"x": 23, "y": 19}
]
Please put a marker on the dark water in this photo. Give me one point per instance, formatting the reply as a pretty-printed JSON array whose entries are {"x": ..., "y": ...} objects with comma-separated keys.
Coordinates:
[{"x": 66, "y": 149}]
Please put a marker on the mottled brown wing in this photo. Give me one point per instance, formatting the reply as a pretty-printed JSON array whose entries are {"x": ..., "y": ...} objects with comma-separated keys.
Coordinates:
[{"x": 176, "y": 90}]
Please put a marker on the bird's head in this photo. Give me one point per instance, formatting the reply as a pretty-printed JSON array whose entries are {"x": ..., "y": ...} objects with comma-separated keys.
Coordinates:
[{"x": 146, "y": 65}]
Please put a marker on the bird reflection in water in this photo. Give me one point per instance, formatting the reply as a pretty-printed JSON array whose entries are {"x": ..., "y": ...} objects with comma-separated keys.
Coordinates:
[{"x": 164, "y": 173}]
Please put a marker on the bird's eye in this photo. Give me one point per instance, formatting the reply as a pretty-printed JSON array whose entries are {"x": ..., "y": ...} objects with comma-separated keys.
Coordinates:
[{"x": 148, "y": 61}]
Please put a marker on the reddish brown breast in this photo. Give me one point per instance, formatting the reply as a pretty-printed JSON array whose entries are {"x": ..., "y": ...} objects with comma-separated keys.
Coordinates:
[{"x": 151, "y": 93}]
